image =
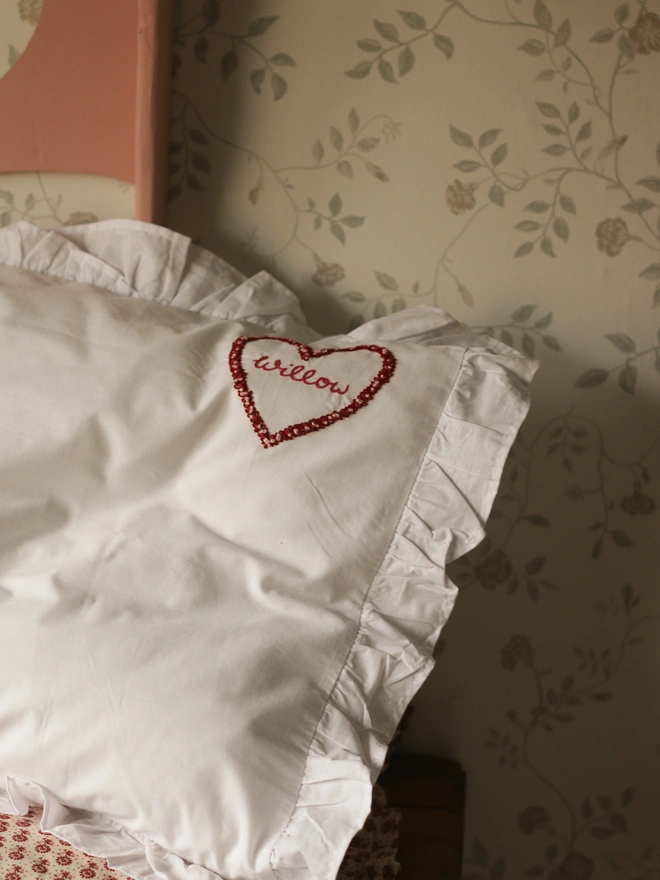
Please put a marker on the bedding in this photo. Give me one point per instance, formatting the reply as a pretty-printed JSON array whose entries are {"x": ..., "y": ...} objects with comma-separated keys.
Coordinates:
[
  {"x": 223, "y": 547},
  {"x": 27, "y": 851}
]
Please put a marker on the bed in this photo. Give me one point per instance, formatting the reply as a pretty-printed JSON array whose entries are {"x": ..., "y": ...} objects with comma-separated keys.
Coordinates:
[{"x": 146, "y": 378}]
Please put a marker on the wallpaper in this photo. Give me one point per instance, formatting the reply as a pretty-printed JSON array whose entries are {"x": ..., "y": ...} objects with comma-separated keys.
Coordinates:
[
  {"x": 499, "y": 159},
  {"x": 51, "y": 199}
]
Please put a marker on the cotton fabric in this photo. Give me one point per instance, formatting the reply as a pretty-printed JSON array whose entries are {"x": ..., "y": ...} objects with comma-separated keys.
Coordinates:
[{"x": 206, "y": 644}]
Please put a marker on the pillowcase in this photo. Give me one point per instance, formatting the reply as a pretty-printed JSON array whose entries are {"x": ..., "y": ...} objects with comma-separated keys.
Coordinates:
[{"x": 222, "y": 548}]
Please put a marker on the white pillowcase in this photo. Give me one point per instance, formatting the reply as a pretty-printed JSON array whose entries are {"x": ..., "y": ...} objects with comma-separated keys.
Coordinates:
[{"x": 222, "y": 555}]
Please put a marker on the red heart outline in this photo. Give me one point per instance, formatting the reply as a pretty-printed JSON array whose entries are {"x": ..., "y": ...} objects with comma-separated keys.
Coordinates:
[{"x": 269, "y": 440}]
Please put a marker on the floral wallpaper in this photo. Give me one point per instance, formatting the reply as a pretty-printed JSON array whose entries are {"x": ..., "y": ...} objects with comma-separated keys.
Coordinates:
[
  {"x": 51, "y": 199},
  {"x": 499, "y": 159},
  {"x": 18, "y": 19}
]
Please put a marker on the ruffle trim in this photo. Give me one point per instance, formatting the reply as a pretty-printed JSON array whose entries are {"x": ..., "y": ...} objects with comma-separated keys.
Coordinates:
[
  {"x": 130, "y": 258},
  {"x": 411, "y": 597}
]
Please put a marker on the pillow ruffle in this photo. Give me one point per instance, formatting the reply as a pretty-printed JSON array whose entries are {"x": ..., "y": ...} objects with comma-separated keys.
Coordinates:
[
  {"x": 129, "y": 258},
  {"x": 411, "y": 596}
]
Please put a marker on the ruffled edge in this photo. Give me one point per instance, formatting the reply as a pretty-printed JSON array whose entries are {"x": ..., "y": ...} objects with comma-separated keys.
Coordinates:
[
  {"x": 97, "y": 835},
  {"x": 411, "y": 597},
  {"x": 131, "y": 258}
]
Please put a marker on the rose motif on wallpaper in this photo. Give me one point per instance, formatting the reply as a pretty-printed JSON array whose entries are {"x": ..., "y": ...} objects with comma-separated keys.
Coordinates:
[
  {"x": 645, "y": 35},
  {"x": 328, "y": 274},
  {"x": 30, "y": 10},
  {"x": 638, "y": 503},
  {"x": 533, "y": 818},
  {"x": 460, "y": 197},
  {"x": 576, "y": 866},
  {"x": 517, "y": 650},
  {"x": 495, "y": 569},
  {"x": 611, "y": 236}
]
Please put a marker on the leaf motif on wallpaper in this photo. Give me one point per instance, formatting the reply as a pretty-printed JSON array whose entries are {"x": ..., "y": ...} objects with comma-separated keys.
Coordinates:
[
  {"x": 201, "y": 49},
  {"x": 488, "y": 137},
  {"x": 260, "y": 25},
  {"x": 406, "y": 61},
  {"x": 604, "y": 35},
  {"x": 592, "y": 378},
  {"x": 528, "y": 332},
  {"x": 360, "y": 71},
  {"x": 257, "y": 77},
  {"x": 279, "y": 86},
  {"x": 563, "y": 34},
  {"x": 351, "y": 149},
  {"x": 354, "y": 296},
  {"x": 652, "y": 183},
  {"x": 622, "y": 342},
  {"x": 204, "y": 47},
  {"x": 496, "y": 195},
  {"x": 638, "y": 206},
  {"x": 338, "y": 232},
  {"x": 414, "y": 20},
  {"x": 210, "y": 12},
  {"x": 393, "y": 301},
  {"x": 461, "y": 138},
  {"x": 533, "y": 47},
  {"x": 627, "y": 371},
  {"x": 542, "y": 15},
  {"x": 394, "y": 43},
  {"x": 281, "y": 59},
  {"x": 444, "y": 44},
  {"x": 387, "y": 282},
  {"x": 567, "y": 203},
  {"x": 386, "y": 70},
  {"x": 498, "y": 155}
]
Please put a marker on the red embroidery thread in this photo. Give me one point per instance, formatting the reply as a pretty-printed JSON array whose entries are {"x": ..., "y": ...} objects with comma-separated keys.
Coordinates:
[
  {"x": 263, "y": 363},
  {"x": 268, "y": 439}
]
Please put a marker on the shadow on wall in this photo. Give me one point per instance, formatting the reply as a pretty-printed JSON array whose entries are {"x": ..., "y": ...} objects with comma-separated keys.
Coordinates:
[
  {"x": 209, "y": 138},
  {"x": 566, "y": 487}
]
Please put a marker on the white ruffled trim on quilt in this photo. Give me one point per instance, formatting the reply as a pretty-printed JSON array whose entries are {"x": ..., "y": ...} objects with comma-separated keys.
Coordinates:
[{"x": 410, "y": 597}]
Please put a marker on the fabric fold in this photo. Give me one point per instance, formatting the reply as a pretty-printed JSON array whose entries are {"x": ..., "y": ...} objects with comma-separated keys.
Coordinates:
[
  {"x": 132, "y": 853},
  {"x": 130, "y": 258},
  {"x": 411, "y": 597}
]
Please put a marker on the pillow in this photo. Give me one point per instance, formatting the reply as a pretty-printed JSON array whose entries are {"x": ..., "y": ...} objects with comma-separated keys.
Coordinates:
[{"x": 222, "y": 548}]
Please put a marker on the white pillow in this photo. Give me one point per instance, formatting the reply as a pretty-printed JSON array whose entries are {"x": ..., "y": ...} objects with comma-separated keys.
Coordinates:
[{"x": 222, "y": 555}]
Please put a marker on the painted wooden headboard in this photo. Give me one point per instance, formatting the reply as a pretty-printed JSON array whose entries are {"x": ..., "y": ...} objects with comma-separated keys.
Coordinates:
[{"x": 90, "y": 94}]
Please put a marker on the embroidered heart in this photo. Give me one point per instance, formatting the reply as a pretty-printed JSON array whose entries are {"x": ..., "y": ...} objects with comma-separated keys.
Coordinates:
[{"x": 328, "y": 374}]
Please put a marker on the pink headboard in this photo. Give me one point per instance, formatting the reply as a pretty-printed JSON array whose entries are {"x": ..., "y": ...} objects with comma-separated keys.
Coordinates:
[{"x": 90, "y": 94}]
